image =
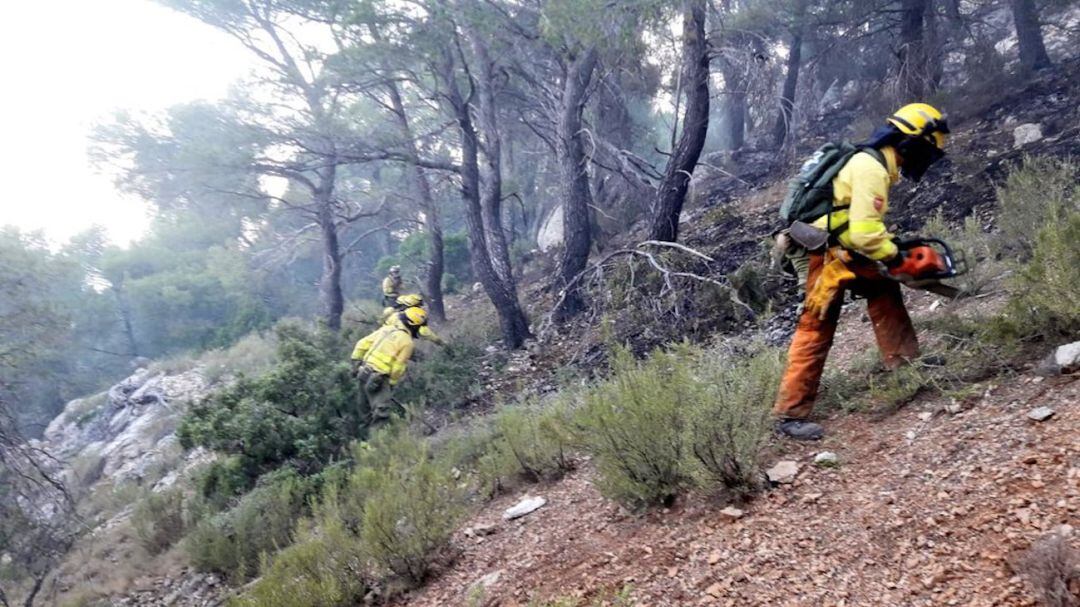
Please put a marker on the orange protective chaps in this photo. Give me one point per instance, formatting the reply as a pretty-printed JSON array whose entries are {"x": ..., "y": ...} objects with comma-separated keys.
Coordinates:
[{"x": 814, "y": 336}]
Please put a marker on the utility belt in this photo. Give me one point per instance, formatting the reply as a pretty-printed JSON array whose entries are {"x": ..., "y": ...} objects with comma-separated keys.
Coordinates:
[{"x": 370, "y": 379}]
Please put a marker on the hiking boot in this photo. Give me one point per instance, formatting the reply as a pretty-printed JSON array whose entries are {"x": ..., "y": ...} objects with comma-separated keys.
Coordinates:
[{"x": 799, "y": 429}]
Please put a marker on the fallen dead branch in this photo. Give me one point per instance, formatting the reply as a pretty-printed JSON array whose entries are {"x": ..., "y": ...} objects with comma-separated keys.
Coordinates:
[{"x": 594, "y": 274}]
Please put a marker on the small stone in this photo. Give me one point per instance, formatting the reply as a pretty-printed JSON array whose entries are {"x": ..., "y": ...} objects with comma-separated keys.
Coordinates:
[
  {"x": 827, "y": 459},
  {"x": 926, "y": 415},
  {"x": 480, "y": 530},
  {"x": 732, "y": 513},
  {"x": 783, "y": 472},
  {"x": 1027, "y": 133},
  {"x": 715, "y": 591},
  {"x": 487, "y": 581},
  {"x": 527, "y": 505},
  {"x": 672, "y": 571},
  {"x": 811, "y": 498},
  {"x": 714, "y": 558},
  {"x": 1040, "y": 414},
  {"x": 1067, "y": 357}
]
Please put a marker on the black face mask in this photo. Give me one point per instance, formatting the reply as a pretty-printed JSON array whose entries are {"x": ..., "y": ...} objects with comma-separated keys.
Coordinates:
[{"x": 918, "y": 155}]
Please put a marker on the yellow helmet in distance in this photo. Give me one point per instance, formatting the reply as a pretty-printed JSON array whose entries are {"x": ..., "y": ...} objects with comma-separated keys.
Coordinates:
[{"x": 410, "y": 299}]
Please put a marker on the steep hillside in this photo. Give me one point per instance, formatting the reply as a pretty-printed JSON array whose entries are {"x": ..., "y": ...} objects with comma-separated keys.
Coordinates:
[
  {"x": 935, "y": 490},
  {"x": 924, "y": 507}
]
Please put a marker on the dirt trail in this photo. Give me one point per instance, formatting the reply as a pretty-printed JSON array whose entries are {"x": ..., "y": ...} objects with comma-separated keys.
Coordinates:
[{"x": 924, "y": 509}]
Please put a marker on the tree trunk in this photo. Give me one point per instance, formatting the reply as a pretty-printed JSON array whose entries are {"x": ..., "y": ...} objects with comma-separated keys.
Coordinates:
[
  {"x": 1032, "y": 50},
  {"x": 671, "y": 193},
  {"x": 512, "y": 321},
  {"x": 432, "y": 223},
  {"x": 123, "y": 308},
  {"x": 31, "y": 596},
  {"x": 330, "y": 296},
  {"x": 574, "y": 179},
  {"x": 491, "y": 169},
  {"x": 791, "y": 79},
  {"x": 913, "y": 60}
]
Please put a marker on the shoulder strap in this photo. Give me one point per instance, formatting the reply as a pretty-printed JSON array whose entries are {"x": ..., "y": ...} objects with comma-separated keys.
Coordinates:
[{"x": 876, "y": 153}]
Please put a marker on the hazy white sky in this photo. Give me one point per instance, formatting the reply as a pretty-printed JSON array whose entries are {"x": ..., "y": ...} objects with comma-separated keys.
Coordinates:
[{"x": 67, "y": 64}]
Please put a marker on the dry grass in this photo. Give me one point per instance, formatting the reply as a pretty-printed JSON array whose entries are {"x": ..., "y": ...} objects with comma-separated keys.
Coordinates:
[{"x": 1052, "y": 567}]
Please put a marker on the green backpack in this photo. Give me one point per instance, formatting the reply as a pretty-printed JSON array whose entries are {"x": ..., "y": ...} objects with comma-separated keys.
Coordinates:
[{"x": 810, "y": 193}]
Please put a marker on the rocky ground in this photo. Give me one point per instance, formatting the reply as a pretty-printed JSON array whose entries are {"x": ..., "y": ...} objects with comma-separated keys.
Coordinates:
[{"x": 923, "y": 507}]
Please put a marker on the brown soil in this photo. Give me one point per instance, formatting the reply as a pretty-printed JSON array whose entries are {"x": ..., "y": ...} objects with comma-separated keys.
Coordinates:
[{"x": 924, "y": 509}]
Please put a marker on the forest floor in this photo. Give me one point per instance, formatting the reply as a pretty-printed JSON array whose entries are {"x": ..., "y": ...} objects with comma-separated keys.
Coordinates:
[{"x": 925, "y": 508}]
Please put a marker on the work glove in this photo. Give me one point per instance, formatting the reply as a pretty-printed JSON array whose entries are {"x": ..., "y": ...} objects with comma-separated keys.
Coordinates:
[
  {"x": 355, "y": 368},
  {"x": 910, "y": 264},
  {"x": 832, "y": 280}
]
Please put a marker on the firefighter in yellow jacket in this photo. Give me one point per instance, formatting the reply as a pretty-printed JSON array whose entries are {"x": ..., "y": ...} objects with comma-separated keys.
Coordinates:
[
  {"x": 392, "y": 315},
  {"x": 912, "y": 140},
  {"x": 391, "y": 286},
  {"x": 379, "y": 362}
]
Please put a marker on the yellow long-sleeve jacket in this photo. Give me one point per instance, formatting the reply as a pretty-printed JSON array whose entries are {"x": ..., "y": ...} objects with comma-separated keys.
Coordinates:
[
  {"x": 391, "y": 287},
  {"x": 860, "y": 200},
  {"x": 386, "y": 351}
]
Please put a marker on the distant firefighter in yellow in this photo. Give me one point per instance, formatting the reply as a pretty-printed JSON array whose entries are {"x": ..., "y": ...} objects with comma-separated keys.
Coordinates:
[
  {"x": 379, "y": 362},
  {"x": 391, "y": 286}
]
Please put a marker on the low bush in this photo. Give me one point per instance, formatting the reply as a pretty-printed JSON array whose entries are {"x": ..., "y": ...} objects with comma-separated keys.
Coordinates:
[
  {"x": 1040, "y": 188},
  {"x": 324, "y": 568},
  {"x": 535, "y": 440},
  {"x": 232, "y": 542},
  {"x": 730, "y": 421},
  {"x": 633, "y": 424},
  {"x": 301, "y": 412},
  {"x": 1046, "y": 291},
  {"x": 250, "y": 356},
  {"x": 411, "y": 503},
  {"x": 1052, "y": 567},
  {"x": 159, "y": 519}
]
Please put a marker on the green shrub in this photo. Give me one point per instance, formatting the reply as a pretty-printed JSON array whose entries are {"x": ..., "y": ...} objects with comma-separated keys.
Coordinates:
[
  {"x": 412, "y": 503},
  {"x": 159, "y": 519},
  {"x": 730, "y": 421},
  {"x": 445, "y": 376},
  {"x": 535, "y": 439},
  {"x": 301, "y": 412},
  {"x": 1040, "y": 188},
  {"x": 324, "y": 568},
  {"x": 252, "y": 355},
  {"x": 1046, "y": 291},
  {"x": 633, "y": 425},
  {"x": 232, "y": 542}
]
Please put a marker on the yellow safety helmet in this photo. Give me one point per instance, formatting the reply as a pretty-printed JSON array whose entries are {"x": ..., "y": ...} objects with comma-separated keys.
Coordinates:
[
  {"x": 414, "y": 317},
  {"x": 395, "y": 270},
  {"x": 921, "y": 120},
  {"x": 410, "y": 299}
]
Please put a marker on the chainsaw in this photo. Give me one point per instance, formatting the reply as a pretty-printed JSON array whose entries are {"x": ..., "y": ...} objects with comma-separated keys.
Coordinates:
[{"x": 955, "y": 265}]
